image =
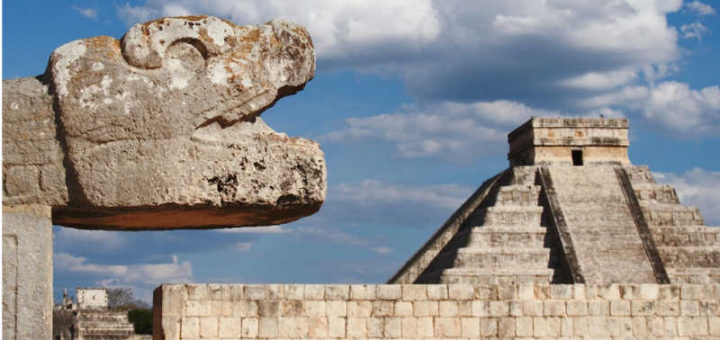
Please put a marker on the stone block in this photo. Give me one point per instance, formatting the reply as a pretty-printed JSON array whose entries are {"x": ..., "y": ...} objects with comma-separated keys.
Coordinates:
[
  {"x": 208, "y": 327},
  {"x": 337, "y": 292},
  {"x": 714, "y": 326},
  {"x": 403, "y": 308},
  {"x": 499, "y": 308},
  {"x": 488, "y": 327},
  {"x": 532, "y": 308},
  {"x": 336, "y": 308},
  {"x": 362, "y": 292},
  {"x": 318, "y": 327},
  {"x": 642, "y": 307},
  {"x": 249, "y": 328},
  {"x": 667, "y": 307},
  {"x": 524, "y": 327},
  {"x": 245, "y": 308},
  {"x": 268, "y": 328},
  {"x": 448, "y": 308},
  {"x": 389, "y": 292},
  {"x": 561, "y": 292},
  {"x": 190, "y": 328},
  {"x": 689, "y": 308},
  {"x": 230, "y": 327},
  {"x": 619, "y": 307},
  {"x": 294, "y": 292},
  {"x": 470, "y": 327},
  {"x": 314, "y": 292},
  {"x": 506, "y": 327},
  {"x": 315, "y": 308},
  {"x": 554, "y": 308},
  {"x": 255, "y": 292},
  {"x": 447, "y": 327},
  {"x": 293, "y": 327},
  {"x": 356, "y": 327},
  {"x": 649, "y": 291},
  {"x": 598, "y": 307},
  {"x": 392, "y": 328},
  {"x": 409, "y": 327},
  {"x": 437, "y": 292},
  {"x": 414, "y": 292},
  {"x": 692, "y": 326},
  {"x": 336, "y": 327},
  {"x": 576, "y": 307},
  {"x": 376, "y": 326},
  {"x": 27, "y": 272},
  {"x": 425, "y": 327},
  {"x": 383, "y": 308},
  {"x": 359, "y": 309},
  {"x": 425, "y": 308}
]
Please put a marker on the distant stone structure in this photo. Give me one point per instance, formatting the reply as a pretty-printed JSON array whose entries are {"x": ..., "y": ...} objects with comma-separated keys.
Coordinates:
[
  {"x": 570, "y": 242},
  {"x": 90, "y": 318},
  {"x": 570, "y": 209},
  {"x": 158, "y": 130}
]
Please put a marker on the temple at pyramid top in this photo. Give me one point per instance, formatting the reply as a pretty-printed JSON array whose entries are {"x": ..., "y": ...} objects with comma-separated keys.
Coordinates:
[
  {"x": 571, "y": 208},
  {"x": 574, "y": 141}
]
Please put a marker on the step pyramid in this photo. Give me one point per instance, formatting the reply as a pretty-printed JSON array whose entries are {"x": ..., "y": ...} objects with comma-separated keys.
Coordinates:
[{"x": 570, "y": 209}]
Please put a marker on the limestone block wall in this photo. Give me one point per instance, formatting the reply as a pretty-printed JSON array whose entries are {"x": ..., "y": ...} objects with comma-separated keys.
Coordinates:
[{"x": 646, "y": 311}]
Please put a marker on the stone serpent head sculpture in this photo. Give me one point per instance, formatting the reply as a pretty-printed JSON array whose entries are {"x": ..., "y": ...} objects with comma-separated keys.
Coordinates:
[{"x": 161, "y": 129}]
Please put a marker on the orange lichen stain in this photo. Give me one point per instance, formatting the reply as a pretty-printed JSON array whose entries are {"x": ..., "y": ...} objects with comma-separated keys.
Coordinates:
[
  {"x": 252, "y": 36},
  {"x": 108, "y": 46},
  {"x": 578, "y": 133}
]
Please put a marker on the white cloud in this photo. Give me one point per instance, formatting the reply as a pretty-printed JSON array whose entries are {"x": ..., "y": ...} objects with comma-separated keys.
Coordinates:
[
  {"x": 332, "y": 235},
  {"x": 89, "y": 13},
  {"x": 243, "y": 246},
  {"x": 697, "y": 187},
  {"x": 694, "y": 30},
  {"x": 82, "y": 238},
  {"x": 602, "y": 80},
  {"x": 374, "y": 192},
  {"x": 453, "y": 131},
  {"x": 675, "y": 106},
  {"x": 700, "y": 8},
  {"x": 382, "y": 250},
  {"x": 339, "y": 28},
  {"x": 143, "y": 274},
  {"x": 275, "y": 229}
]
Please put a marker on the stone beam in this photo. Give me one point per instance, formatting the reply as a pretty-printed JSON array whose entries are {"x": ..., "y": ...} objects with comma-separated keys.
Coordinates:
[{"x": 161, "y": 129}]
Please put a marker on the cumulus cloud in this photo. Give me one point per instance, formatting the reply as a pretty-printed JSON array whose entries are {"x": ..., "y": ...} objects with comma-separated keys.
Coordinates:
[
  {"x": 89, "y": 13},
  {"x": 700, "y": 8},
  {"x": 697, "y": 187},
  {"x": 143, "y": 274},
  {"x": 452, "y": 131},
  {"x": 694, "y": 30}
]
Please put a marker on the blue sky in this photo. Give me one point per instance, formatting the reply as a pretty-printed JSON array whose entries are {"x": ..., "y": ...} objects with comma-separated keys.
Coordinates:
[{"x": 412, "y": 102}]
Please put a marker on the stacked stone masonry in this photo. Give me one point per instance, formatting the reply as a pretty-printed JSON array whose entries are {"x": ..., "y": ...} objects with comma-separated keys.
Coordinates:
[
  {"x": 645, "y": 311},
  {"x": 690, "y": 250}
]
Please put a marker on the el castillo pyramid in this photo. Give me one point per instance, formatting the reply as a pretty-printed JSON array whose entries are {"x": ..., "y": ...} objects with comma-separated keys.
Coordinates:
[{"x": 571, "y": 208}]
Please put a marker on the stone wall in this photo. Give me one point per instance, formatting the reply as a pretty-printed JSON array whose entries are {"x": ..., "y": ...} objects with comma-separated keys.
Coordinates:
[{"x": 202, "y": 311}]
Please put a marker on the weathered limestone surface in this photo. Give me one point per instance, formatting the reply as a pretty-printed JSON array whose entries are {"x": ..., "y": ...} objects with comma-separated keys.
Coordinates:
[
  {"x": 525, "y": 311},
  {"x": 27, "y": 272},
  {"x": 161, "y": 129}
]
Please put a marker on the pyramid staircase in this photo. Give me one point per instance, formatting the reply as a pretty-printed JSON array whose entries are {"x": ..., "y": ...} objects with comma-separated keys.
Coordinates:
[{"x": 689, "y": 249}]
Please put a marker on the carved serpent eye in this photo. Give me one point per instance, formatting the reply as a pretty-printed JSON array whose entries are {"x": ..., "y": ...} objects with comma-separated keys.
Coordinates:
[
  {"x": 148, "y": 45},
  {"x": 188, "y": 53}
]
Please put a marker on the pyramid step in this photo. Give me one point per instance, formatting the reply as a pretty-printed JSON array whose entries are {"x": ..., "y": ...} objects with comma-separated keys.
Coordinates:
[
  {"x": 694, "y": 256},
  {"x": 501, "y": 257},
  {"x": 694, "y": 275},
  {"x": 523, "y": 175},
  {"x": 659, "y": 214},
  {"x": 656, "y": 192},
  {"x": 640, "y": 174},
  {"x": 504, "y": 276},
  {"x": 513, "y": 215},
  {"x": 674, "y": 236},
  {"x": 513, "y": 195},
  {"x": 507, "y": 236}
]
